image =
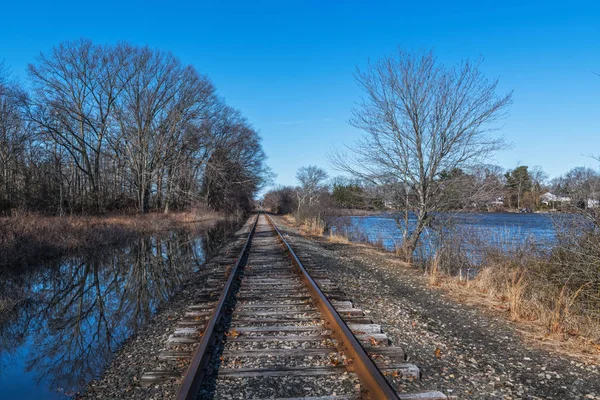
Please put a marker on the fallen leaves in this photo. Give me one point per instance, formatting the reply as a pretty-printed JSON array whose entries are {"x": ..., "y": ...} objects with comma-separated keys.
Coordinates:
[
  {"x": 232, "y": 333},
  {"x": 334, "y": 361}
]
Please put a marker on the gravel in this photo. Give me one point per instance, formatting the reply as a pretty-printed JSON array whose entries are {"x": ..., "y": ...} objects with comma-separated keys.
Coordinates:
[
  {"x": 121, "y": 380},
  {"x": 461, "y": 350},
  {"x": 266, "y": 252}
]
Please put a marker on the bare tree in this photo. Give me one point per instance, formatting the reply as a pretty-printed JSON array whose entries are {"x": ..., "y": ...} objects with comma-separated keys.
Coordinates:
[
  {"x": 312, "y": 181},
  {"x": 539, "y": 179},
  {"x": 422, "y": 118},
  {"x": 281, "y": 200},
  {"x": 158, "y": 104},
  {"x": 75, "y": 90},
  {"x": 583, "y": 185},
  {"x": 235, "y": 169},
  {"x": 14, "y": 136},
  {"x": 116, "y": 127}
]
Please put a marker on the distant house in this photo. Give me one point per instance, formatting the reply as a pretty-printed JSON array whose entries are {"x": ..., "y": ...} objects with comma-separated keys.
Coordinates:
[
  {"x": 498, "y": 202},
  {"x": 549, "y": 198},
  {"x": 592, "y": 203}
]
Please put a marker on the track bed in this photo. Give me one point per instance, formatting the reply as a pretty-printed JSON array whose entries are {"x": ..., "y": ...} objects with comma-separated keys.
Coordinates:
[{"x": 268, "y": 329}]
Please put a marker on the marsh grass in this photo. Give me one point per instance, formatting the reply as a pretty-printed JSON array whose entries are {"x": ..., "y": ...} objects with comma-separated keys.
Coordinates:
[
  {"x": 337, "y": 237},
  {"x": 555, "y": 286},
  {"x": 32, "y": 238}
]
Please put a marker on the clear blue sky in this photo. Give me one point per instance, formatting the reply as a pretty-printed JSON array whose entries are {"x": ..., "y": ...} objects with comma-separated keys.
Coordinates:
[{"x": 289, "y": 65}]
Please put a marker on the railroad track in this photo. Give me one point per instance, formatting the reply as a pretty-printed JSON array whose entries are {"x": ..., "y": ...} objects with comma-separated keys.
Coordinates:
[{"x": 276, "y": 331}]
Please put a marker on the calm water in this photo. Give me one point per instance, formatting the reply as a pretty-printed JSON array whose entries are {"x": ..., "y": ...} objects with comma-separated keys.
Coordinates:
[
  {"x": 499, "y": 229},
  {"x": 80, "y": 310}
]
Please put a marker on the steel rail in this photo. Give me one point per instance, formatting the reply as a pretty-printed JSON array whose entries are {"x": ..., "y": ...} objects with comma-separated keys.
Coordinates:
[
  {"x": 371, "y": 378},
  {"x": 197, "y": 369}
]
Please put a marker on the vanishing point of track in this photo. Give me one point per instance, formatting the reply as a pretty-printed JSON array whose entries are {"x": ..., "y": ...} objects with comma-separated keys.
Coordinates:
[{"x": 278, "y": 331}]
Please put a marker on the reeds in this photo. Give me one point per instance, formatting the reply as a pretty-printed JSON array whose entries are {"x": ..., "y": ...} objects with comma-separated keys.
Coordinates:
[{"x": 32, "y": 238}]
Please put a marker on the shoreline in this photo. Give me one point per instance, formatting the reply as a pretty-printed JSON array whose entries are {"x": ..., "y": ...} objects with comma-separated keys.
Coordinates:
[
  {"x": 139, "y": 353},
  {"x": 482, "y": 354},
  {"x": 34, "y": 239},
  {"x": 577, "y": 346}
]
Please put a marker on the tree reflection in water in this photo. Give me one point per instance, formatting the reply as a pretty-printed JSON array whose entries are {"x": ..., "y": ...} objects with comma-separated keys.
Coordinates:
[{"x": 79, "y": 311}]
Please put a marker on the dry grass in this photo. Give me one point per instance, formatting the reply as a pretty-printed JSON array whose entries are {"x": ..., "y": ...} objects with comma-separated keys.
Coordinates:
[
  {"x": 522, "y": 290},
  {"x": 530, "y": 316},
  {"x": 313, "y": 226},
  {"x": 33, "y": 238},
  {"x": 434, "y": 270},
  {"x": 514, "y": 284},
  {"x": 337, "y": 237}
]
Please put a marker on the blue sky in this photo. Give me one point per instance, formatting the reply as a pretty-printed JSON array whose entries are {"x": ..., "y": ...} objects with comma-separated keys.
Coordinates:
[{"x": 289, "y": 65}]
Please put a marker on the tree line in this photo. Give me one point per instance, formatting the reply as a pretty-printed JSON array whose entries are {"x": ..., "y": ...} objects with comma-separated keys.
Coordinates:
[
  {"x": 121, "y": 127},
  {"x": 486, "y": 188}
]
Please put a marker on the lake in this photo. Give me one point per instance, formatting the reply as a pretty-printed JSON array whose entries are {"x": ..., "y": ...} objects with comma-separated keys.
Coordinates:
[
  {"x": 79, "y": 310},
  {"x": 498, "y": 229}
]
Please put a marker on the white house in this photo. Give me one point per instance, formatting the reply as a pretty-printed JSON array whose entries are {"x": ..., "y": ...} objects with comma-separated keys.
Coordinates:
[
  {"x": 548, "y": 198},
  {"x": 499, "y": 201}
]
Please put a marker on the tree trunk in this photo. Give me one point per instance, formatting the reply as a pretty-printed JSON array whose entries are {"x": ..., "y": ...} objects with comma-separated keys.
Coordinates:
[{"x": 410, "y": 244}]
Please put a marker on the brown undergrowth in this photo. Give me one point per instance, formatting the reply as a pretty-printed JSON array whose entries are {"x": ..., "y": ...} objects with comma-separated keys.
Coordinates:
[
  {"x": 553, "y": 292},
  {"x": 313, "y": 226},
  {"x": 526, "y": 288},
  {"x": 32, "y": 238},
  {"x": 532, "y": 329}
]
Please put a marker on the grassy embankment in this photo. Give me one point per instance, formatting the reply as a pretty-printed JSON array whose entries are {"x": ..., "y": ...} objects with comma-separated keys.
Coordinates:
[
  {"x": 32, "y": 238},
  {"x": 553, "y": 295}
]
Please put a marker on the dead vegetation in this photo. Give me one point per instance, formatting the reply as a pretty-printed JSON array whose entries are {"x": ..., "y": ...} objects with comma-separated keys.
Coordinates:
[
  {"x": 553, "y": 294},
  {"x": 31, "y": 238},
  {"x": 313, "y": 226},
  {"x": 554, "y": 290}
]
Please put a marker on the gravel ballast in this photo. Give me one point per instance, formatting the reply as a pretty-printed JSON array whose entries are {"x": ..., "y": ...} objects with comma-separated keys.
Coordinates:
[
  {"x": 140, "y": 354},
  {"x": 461, "y": 350}
]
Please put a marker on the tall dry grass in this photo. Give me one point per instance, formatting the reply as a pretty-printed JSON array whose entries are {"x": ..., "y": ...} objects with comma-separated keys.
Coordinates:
[
  {"x": 555, "y": 286},
  {"x": 311, "y": 225},
  {"x": 31, "y": 238},
  {"x": 558, "y": 287},
  {"x": 338, "y": 237}
]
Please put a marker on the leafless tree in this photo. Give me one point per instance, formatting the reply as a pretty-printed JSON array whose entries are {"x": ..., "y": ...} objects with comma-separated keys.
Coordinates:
[
  {"x": 75, "y": 90},
  {"x": 235, "y": 169},
  {"x": 14, "y": 135},
  {"x": 539, "y": 179},
  {"x": 312, "y": 182},
  {"x": 158, "y": 104},
  {"x": 281, "y": 200},
  {"x": 583, "y": 186},
  {"x": 422, "y": 118}
]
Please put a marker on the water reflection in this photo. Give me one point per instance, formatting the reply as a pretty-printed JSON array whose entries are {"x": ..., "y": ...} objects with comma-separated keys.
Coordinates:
[
  {"x": 473, "y": 230},
  {"x": 78, "y": 311}
]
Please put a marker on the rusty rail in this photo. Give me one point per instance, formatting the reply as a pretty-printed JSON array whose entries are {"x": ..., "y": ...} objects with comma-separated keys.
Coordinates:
[
  {"x": 374, "y": 384},
  {"x": 197, "y": 370},
  {"x": 370, "y": 376}
]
